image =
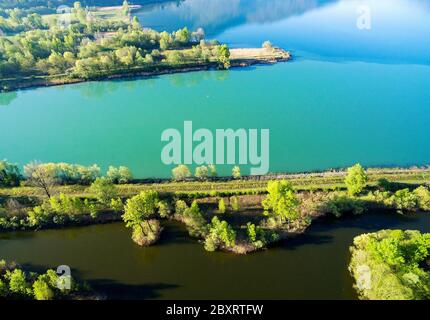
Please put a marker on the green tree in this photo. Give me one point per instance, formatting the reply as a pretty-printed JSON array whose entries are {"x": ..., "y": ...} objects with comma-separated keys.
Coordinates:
[
  {"x": 234, "y": 203},
  {"x": 235, "y": 172},
  {"x": 140, "y": 208},
  {"x": 202, "y": 172},
  {"x": 183, "y": 36},
  {"x": 18, "y": 282},
  {"x": 220, "y": 233},
  {"x": 104, "y": 190},
  {"x": 181, "y": 172},
  {"x": 281, "y": 201},
  {"x": 223, "y": 56},
  {"x": 356, "y": 179},
  {"x": 423, "y": 195}
]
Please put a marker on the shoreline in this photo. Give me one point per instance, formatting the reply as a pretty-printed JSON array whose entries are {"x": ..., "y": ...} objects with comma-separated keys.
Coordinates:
[{"x": 241, "y": 61}]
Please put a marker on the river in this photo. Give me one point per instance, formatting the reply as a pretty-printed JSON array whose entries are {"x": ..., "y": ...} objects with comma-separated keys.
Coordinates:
[{"x": 311, "y": 266}]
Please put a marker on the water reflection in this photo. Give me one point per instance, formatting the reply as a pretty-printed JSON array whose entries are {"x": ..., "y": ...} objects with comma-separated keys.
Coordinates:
[
  {"x": 7, "y": 97},
  {"x": 215, "y": 16},
  {"x": 317, "y": 29}
]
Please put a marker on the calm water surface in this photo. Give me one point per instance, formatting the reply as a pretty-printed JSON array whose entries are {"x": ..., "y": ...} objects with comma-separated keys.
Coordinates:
[
  {"x": 349, "y": 96},
  {"x": 313, "y": 266}
]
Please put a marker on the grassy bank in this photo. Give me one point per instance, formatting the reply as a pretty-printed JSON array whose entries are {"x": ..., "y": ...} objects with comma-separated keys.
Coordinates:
[{"x": 236, "y": 215}]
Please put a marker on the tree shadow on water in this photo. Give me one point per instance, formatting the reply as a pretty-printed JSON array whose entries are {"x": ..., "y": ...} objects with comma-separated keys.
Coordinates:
[
  {"x": 303, "y": 239},
  {"x": 120, "y": 291}
]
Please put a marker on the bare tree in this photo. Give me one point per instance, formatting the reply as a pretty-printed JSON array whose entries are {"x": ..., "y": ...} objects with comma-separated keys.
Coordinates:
[{"x": 42, "y": 176}]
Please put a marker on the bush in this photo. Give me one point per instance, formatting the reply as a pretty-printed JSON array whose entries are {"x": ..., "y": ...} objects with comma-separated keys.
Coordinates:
[
  {"x": 9, "y": 174},
  {"x": 104, "y": 190},
  {"x": 221, "y": 206},
  {"x": 116, "y": 204},
  {"x": 42, "y": 291},
  {"x": 164, "y": 209},
  {"x": 180, "y": 207},
  {"x": 67, "y": 205},
  {"x": 423, "y": 195},
  {"x": 193, "y": 219},
  {"x": 15, "y": 283},
  {"x": 404, "y": 201},
  {"x": 220, "y": 234},
  {"x": 234, "y": 203},
  {"x": 338, "y": 204}
]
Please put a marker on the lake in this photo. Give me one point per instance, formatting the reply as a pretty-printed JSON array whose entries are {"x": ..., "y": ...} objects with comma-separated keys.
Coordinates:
[{"x": 349, "y": 96}]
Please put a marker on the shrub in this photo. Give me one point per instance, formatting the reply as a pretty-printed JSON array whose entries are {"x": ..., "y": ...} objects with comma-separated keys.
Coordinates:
[
  {"x": 220, "y": 234},
  {"x": 9, "y": 174},
  {"x": 116, "y": 204},
  {"x": 221, "y": 206},
  {"x": 180, "y": 207},
  {"x": 234, "y": 203},
  {"x": 193, "y": 219},
  {"x": 403, "y": 201},
  {"x": 164, "y": 209},
  {"x": 338, "y": 204},
  {"x": 42, "y": 291},
  {"x": 423, "y": 195},
  {"x": 104, "y": 190},
  {"x": 67, "y": 205},
  {"x": 18, "y": 283}
]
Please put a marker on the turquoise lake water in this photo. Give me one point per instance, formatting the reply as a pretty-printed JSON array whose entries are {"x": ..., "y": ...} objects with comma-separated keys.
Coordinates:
[{"x": 349, "y": 95}]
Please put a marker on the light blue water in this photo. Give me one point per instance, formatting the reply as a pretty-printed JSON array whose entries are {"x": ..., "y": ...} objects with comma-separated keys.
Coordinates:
[{"x": 349, "y": 96}]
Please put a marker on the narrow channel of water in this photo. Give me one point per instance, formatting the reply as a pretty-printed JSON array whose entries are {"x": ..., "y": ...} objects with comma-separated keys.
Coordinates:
[{"x": 312, "y": 266}]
